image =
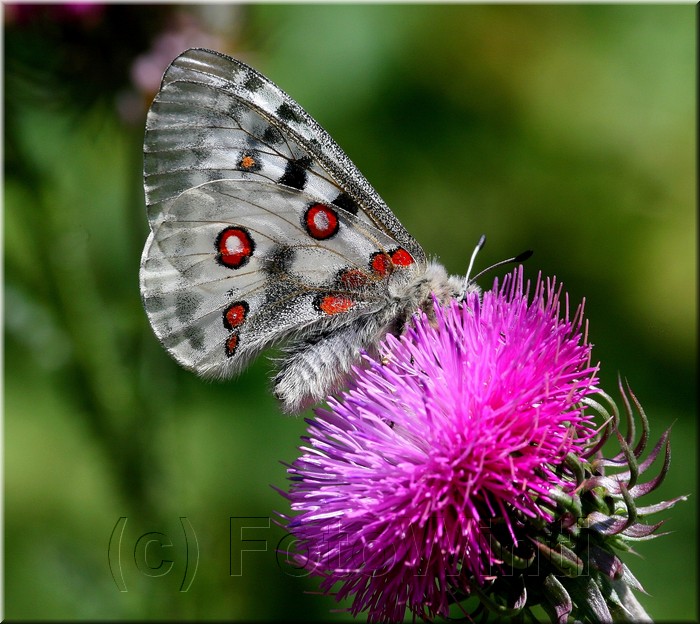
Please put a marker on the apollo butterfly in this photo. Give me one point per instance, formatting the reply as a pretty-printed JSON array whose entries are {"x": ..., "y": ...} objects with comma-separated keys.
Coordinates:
[{"x": 264, "y": 232}]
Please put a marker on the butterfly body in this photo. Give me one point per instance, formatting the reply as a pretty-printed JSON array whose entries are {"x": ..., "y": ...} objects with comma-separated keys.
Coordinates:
[
  {"x": 264, "y": 232},
  {"x": 317, "y": 362}
]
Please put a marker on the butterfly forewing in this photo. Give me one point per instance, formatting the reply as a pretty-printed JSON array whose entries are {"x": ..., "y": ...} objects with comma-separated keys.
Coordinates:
[
  {"x": 261, "y": 227},
  {"x": 212, "y": 111}
]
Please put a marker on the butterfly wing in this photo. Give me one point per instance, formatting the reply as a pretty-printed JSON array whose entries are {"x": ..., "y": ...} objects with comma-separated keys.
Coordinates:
[
  {"x": 232, "y": 268},
  {"x": 214, "y": 117},
  {"x": 260, "y": 226}
]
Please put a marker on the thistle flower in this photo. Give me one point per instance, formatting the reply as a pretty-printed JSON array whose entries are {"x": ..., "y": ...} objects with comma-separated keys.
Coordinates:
[{"x": 460, "y": 460}]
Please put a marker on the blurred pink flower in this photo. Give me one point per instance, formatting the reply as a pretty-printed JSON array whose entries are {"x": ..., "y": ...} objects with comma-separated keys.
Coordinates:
[{"x": 185, "y": 32}]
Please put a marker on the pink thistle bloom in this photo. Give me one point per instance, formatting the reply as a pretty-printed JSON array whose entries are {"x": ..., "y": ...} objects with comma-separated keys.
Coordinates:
[{"x": 440, "y": 451}]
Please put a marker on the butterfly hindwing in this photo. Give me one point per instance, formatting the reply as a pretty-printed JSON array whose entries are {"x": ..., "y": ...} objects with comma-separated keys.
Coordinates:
[{"x": 236, "y": 265}]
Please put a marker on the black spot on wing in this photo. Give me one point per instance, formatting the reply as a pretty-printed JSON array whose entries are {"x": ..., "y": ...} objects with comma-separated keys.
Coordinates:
[
  {"x": 154, "y": 303},
  {"x": 295, "y": 173},
  {"x": 234, "y": 110},
  {"x": 201, "y": 153},
  {"x": 253, "y": 83},
  {"x": 278, "y": 261},
  {"x": 272, "y": 136},
  {"x": 346, "y": 202},
  {"x": 186, "y": 305},
  {"x": 286, "y": 113}
]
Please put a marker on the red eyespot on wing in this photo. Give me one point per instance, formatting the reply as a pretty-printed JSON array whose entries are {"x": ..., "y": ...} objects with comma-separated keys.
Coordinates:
[
  {"x": 353, "y": 278},
  {"x": 231, "y": 344},
  {"x": 333, "y": 304},
  {"x": 381, "y": 263},
  {"x": 320, "y": 221},
  {"x": 235, "y": 314},
  {"x": 400, "y": 257},
  {"x": 234, "y": 247}
]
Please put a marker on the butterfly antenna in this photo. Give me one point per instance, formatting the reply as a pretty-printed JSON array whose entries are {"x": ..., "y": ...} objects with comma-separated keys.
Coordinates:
[
  {"x": 477, "y": 249},
  {"x": 521, "y": 257}
]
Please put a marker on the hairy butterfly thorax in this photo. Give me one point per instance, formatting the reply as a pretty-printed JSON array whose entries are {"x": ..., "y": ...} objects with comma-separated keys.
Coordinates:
[{"x": 264, "y": 232}]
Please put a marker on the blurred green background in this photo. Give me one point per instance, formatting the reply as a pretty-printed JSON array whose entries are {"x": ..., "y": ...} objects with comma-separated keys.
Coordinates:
[{"x": 566, "y": 129}]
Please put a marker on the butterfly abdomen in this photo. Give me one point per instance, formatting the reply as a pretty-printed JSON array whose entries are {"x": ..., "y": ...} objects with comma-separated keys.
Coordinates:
[
  {"x": 315, "y": 366},
  {"x": 318, "y": 364}
]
